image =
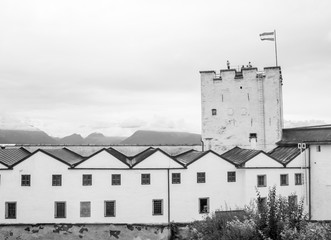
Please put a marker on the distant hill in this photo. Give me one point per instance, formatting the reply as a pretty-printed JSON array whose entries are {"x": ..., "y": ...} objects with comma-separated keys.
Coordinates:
[
  {"x": 99, "y": 138},
  {"x": 25, "y": 137},
  {"x": 75, "y": 139},
  {"x": 143, "y": 137}
]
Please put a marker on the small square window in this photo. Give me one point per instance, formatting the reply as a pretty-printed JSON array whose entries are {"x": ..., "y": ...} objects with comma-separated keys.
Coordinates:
[
  {"x": 10, "y": 210},
  {"x": 116, "y": 179},
  {"x": 231, "y": 176},
  {"x": 283, "y": 179},
  {"x": 110, "y": 207},
  {"x": 318, "y": 148},
  {"x": 203, "y": 205},
  {"x": 201, "y": 177},
  {"x": 262, "y": 180},
  {"x": 60, "y": 210},
  {"x": 213, "y": 112},
  {"x": 298, "y": 178},
  {"x": 175, "y": 178},
  {"x": 252, "y": 135},
  {"x": 158, "y": 207},
  {"x": 56, "y": 180},
  {"x": 25, "y": 180},
  {"x": 85, "y": 209},
  {"x": 87, "y": 179},
  {"x": 145, "y": 179}
]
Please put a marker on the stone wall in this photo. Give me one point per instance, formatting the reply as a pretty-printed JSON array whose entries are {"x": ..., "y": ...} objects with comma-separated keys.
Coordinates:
[{"x": 84, "y": 232}]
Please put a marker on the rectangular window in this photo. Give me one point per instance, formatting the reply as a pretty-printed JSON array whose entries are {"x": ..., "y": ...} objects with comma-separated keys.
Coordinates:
[
  {"x": 116, "y": 179},
  {"x": 85, "y": 209},
  {"x": 56, "y": 180},
  {"x": 110, "y": 207},
  {"x": 203, "y": 205},
  {"x": 262, "y": 180},
  {"x": 231, "y": 176},
  {"x": 10, "y": 210},
  {"x": 213, "y": 112},
  {"x": 298, "y": 178},
  {"x": 25, "y": 180},
  {"x": 283, "y": 179},
  {"x": 87, "y": 179},
  {"x": 318, "y": 148},
  {"x": 145, "y": 179},
  {"x": 158, "y": 207},
  {"x": 292, "y": 200},
  {"x": 175, "y": 178},
  {"x": 201, "y": 177},
  {"x": 60, "y": 210}
]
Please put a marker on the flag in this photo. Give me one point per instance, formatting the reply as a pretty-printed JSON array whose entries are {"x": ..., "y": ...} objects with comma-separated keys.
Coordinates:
[{"x": 268, "y": 36}]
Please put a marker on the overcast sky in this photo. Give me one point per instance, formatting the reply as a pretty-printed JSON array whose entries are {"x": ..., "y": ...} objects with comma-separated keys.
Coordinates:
[{"x": 118, "y": 66}]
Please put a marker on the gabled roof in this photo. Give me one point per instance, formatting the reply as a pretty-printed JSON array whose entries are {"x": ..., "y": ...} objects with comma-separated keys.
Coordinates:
[
  {"x": 314, "y": 134},
  {"x": 189, "y": 156},
  {"x": 65, "y": 155},
  {"x": 148, "y": 152},
  {"x": 239, "y": 156},
  {"x": 112, "y": 152},
  {"x": 10, "y": 156},
  {"x": 284, "y": 154}
]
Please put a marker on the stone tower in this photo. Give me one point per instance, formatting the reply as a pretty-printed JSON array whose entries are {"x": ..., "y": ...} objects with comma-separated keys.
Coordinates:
[{"x": 241, "y": 108}]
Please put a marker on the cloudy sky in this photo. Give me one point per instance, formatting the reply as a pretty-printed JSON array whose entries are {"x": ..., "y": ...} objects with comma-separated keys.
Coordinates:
[{"x": 117, "y": 66}]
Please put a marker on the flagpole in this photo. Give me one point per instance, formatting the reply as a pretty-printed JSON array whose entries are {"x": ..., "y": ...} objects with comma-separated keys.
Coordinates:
[{"x": 276, "y": 48}]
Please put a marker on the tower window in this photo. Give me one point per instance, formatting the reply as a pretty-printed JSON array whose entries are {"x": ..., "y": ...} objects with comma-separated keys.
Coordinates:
[
  {"x": 252, "y": 135},
  {"x": 318, "y": 148},
  {"x": 214, "y": 112}
]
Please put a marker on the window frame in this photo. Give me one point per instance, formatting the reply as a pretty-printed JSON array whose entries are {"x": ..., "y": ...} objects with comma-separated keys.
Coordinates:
[
  {"x": 113, "y": 208},
  {"x": 264, "y": 180},
  {"x": 286, "y": 183},
  {"x": 201, "y": 177},
  {"x": 201, "y": 211},
  {"x": 154, "y": 201},
  {"x": 175, "y": 178},
  {"x": 298, "y": 183},
  {"x": 7, "y": 215},
  {"x": 87, "y": 208},
  {"x": 232, "y": 178},
  {"x": 214, "y": 112},
  {"x": 145, "y": 179},
  {"x": 26, "y": 182},
  {"x": 114, "y": 181},
  {"x": 56, "y": 182},
  {"x": 87, "y": 179},
  {"x": 56, "y": 209}
]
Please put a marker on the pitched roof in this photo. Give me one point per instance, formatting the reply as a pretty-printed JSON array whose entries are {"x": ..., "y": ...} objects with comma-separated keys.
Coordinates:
[
  {"x": 189, "y": 156},
  {"x": 315, "y": 134},
  {"x": 143, "y": 155},
  {"x": 64, "y": 155},
  {"x": 10, "y": 156},
  {"x": 284, "y": 154},
  {"x": 239, "y": 156}
]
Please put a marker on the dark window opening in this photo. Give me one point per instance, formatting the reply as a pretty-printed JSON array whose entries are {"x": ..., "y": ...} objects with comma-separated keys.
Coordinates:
[
  {"x": 298, "y": 178},
  {"x": 261, "y": 180},
  {"x": 318, "y": 148},
  {"x": 10, "y": 210},
  {"x": 56, "y": 180},
  {"x": 252, "y": 135},
  {"x": 214, "y": 112},
  {"x": 292, "y": 200},
  {"x": 116, "y": 179},
  {"x": 60, "y": 209},
  {"x": 241, "y": 87},
  {"x": 231, "y": 176},
  {"x": 284, "y": 180},
  {"x": 110, "y": 208},
  {"x": 176, "y": 178},
  {"x": 157, "y": 207},
  {"x": 203, "y": 205},
  {"x": 145, "y": 179},
  {"x": 87, "y": 180},
  {"x": 201, "y": 177},
  {"x": 25, "y": 180}
]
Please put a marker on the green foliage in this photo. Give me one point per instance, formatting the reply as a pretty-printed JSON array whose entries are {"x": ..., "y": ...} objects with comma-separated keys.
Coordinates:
[{"x": 273, "y": 218}]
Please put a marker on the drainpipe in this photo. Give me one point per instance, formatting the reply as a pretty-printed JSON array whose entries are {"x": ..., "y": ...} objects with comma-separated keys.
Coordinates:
[
  {"x": 202, "y": 146},
  {"x": 168, "y": 196},
  {"x": 309, "y": 182}
]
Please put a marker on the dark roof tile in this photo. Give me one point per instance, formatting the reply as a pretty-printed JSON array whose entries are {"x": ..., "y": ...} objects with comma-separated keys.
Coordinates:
[
  {"x": 239, "y": 156},
  {"x": 65, "y": 155},
  {"x": 12, "y": 155},
  {"x": 314, "y": 134},
  {"x": 284, "y": 154}
]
